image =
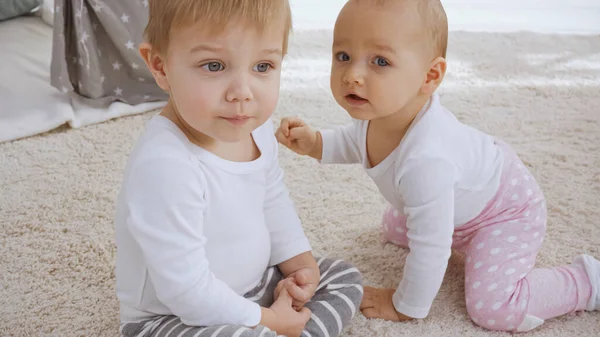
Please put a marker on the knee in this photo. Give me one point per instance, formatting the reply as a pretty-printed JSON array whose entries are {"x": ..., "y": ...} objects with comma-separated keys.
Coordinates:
[
  {"x": 332, "y": 266},
  {"x": 393, "y": 226},
  {"x": 394, "y": 217},
  {"x": 497, "y": 316},
  {"x": 339, "y": 275},
  {"x": 348, "y": 273}
]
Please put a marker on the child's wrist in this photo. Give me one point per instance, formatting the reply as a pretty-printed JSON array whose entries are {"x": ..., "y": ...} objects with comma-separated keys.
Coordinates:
[
  {"x": 317, "y": 150},
  {"x": 268, "y": 318}
]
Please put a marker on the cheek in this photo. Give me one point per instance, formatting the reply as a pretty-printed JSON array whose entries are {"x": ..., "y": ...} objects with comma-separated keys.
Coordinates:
[
  {"x": 335, "y": 77},
  {"x": 384, "y": 87},
  {"x": 395, "y": 88},
  {"x": 195, "y": 97},
  {"x": 267, "y": 96},
  {"x": 335, "y": 82},
  {"x": 195, "y": 91}
]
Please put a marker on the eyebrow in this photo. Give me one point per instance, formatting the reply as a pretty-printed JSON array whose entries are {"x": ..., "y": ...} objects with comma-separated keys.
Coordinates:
[
  {"x": 385, "y": 48},
  {"x": 205, "y": 47},
  {"x": 339, "y": 43},
  {"x": 277, "y": 51},
  {"x": 215, "y": 49},
  {"x": 378, "y": 46}
]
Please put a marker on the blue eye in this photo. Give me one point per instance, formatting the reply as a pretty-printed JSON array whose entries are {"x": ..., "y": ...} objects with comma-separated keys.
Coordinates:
[
  {"x": 343, "y": 57},
  {"x": 262, "y": 67},
  {"x": 381, "y": 62},
  {"x": 214, "y": 66}
]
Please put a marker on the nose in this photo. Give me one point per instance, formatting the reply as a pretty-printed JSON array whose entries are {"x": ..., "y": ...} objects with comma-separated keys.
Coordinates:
[
  {"x": 239, "y": 90},
  {"x": 354, "y": 75}
]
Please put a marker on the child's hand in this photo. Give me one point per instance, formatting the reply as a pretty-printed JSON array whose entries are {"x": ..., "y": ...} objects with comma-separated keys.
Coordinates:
[
  {"x": 377, "y": 303},
  {"x": 297, "y": 136},
  {"x": 283, "y": 319},
  {"x": 301, "y": 285},
  {"x": 306, "y": 281}
]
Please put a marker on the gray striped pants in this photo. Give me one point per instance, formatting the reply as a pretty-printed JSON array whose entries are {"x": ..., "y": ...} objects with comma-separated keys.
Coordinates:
[{"x": 336, "y": 300}]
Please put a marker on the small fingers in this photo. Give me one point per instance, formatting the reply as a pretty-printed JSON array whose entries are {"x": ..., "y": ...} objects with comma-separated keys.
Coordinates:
[
  {"x": 371, "y": 313},
  {"x": 285, "y": 297},
  {"x": 305, "y": 312},
  {"x": 296, "y": 292},
  {"x": 284, "y": 126},
  {"x": 294, "y": 122},
  {"x": 281, "y": 138},
  {"x": 367, "y": 301},
  {"x": 278, "y": 288},
  {"x": 301, "y": 132},
  {"x": 301, "y": 278},
  {"x": 289, "y": 123}
]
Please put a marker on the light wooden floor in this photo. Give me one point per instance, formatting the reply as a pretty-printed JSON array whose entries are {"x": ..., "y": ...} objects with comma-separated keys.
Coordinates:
[{"x": 544, "y": 16}]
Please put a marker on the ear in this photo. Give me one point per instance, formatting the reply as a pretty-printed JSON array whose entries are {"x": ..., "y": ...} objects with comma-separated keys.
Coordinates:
[
  {"x": 156, "y": 63},
  {"x": 434, "y": 76}
]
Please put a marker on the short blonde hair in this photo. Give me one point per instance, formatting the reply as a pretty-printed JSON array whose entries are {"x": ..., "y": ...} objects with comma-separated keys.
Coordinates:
[
  {"x": 434, "y": 21},
  {"x": 168, "y": 15}
]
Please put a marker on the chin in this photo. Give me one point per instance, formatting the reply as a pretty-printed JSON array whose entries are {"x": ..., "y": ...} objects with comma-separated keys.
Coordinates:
[
  {"x": 229, "y": 138},
  {"x": 233, "y": 136},
  {"x": 360, "y": 113}
]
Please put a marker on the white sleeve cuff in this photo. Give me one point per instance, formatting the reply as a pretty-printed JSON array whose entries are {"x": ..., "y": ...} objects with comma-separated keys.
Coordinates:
[
  {"x": 290, "y": 250},
  {"x": 253, "y": 315},
  {"x": 327, "y": 138},
  {"x": 408, "y": 310}
]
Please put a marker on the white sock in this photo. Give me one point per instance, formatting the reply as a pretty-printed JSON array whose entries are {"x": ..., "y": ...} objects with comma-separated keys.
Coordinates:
[{"x": 592, "y": 268}]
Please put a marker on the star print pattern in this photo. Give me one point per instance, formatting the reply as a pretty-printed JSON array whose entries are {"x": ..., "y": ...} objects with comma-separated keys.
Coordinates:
[{"x": 91, "y": 56}]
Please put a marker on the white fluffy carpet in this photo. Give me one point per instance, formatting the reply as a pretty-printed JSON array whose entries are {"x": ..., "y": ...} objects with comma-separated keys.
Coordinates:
[{"x": 538, "y": 92}]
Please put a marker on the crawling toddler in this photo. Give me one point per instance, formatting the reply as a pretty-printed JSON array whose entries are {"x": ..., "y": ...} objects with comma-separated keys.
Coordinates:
[{"x": 449, "y": 185}]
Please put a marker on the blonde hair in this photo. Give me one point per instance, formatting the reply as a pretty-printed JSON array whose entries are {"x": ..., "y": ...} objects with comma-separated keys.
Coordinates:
[
  {"x": 168, "y": 15},
  {"x": 434, "y": 22}
]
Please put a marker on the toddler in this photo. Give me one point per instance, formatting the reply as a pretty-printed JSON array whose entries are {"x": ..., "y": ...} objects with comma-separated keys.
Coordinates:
[
  {"x": 208, "y": 241},
  {"x": 449, "y": 185}
]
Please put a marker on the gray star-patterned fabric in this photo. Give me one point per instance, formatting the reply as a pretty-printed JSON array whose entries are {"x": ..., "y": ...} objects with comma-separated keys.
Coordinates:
[{"x": 95, "y": 51}]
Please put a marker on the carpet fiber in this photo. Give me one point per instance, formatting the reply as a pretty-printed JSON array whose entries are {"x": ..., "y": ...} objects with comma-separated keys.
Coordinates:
[{"x": 537, "y": 92}]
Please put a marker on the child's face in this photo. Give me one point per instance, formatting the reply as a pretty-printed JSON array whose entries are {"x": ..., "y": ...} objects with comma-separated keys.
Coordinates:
[
  {"x": 378, "y": 59},
  {"x": 224, "y": 85}
]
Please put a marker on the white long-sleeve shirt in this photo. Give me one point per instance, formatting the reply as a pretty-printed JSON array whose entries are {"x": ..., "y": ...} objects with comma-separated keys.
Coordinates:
[
  {"x": 441, "y": 175},
  {"x": 194, "y": 232}
]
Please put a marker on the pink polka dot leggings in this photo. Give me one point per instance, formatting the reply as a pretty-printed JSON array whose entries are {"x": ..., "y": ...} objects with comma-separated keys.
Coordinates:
[{"x": 503, "y": 291}]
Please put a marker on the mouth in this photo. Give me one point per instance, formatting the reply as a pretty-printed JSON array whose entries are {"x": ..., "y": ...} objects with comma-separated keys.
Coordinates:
[
  {"x": 355, "y": 100},
  {"x": 237, "y": 120}
]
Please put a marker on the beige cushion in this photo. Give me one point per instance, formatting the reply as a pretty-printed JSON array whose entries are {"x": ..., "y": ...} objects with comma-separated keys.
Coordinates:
[{"x": 29, "y": 104}]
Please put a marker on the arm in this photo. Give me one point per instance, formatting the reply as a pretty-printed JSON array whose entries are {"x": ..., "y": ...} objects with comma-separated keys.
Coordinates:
[
  {"x": 290, "y": 249},
  {"x": 332, "y": 146},
  {"x": 428, "y": 191},
  {"x": 166, "y": 202},
  {"x": 299, "y": 262},
  {"x": 339, "y": 145},
  {"x": 287, "y": 235}
]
